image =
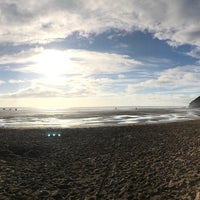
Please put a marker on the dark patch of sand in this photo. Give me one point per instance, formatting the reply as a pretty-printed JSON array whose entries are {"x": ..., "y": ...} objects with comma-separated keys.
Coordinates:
[{"x": 160, "y": 161}]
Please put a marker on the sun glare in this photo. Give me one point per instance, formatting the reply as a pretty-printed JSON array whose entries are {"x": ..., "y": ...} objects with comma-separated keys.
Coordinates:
[{"x": 53, "y": 63}]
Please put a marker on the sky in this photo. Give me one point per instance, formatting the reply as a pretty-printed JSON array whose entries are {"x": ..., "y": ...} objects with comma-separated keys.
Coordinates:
[{"x": 74, "y": 53}]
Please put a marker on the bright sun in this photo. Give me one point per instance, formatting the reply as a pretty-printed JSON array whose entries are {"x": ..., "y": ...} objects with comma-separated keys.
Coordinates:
[{"x": 53, "y": 63}]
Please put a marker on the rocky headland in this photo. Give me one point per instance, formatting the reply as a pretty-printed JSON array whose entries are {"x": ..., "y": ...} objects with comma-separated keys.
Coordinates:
[{"x": 195, "y": 103}]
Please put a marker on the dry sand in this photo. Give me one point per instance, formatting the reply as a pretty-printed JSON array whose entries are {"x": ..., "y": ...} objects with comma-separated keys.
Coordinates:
[{"x": 160, "y": 161}]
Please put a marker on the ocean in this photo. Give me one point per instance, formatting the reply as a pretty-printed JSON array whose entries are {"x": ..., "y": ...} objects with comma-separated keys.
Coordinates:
[{"x": 92, "y": 117}]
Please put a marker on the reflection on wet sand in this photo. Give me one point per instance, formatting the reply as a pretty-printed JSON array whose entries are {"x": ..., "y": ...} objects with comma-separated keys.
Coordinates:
[{"x": 93, "y": 118}]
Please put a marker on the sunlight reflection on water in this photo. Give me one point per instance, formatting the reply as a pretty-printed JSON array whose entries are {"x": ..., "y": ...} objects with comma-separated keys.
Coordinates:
[{"x": 92, "y": 117}]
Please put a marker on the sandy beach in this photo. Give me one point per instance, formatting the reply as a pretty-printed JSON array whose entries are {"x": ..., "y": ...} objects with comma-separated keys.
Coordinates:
[{"x": 158, "y": 161}]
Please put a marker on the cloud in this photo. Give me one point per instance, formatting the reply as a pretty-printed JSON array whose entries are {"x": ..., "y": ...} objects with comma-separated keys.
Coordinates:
[
  {"x": 31, "y": 22},
  {"x": 84, "y": 73},
  {"x": 91, "y": 73},
  {"x": 40, "y": 61},
  {"x": 2, "y": 82},
  {"x": 155, "y": 61},
  {"x": 71, "y": 87},
  {"x": 177, "y": 79},
  {"x": 66, "y": 87},
  {"x": 195, "y": 52},
  {"x": 21, "y": 56},
  {"x": 96, "y": 74},
  {"x": 110, "y": 91},
  {"x": 33, "y": 92},
  {"x": 15, "y": 81}
]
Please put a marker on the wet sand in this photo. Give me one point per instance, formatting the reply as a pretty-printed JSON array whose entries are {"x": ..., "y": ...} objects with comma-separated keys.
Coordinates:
[{"x": 159, "y": 161}]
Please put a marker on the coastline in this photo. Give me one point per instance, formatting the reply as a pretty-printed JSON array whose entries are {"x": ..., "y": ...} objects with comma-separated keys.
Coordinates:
[
  {"x": 194, "y": 120},
  {"x": 94, "y": 118},
  {"x": 145, "y": 161}
]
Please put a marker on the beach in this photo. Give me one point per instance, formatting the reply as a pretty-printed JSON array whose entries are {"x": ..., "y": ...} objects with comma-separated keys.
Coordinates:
[{"x": 151, "y": 161}]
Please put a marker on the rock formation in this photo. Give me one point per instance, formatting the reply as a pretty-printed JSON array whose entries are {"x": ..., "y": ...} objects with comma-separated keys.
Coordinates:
[{"x": 195, "y": 103}]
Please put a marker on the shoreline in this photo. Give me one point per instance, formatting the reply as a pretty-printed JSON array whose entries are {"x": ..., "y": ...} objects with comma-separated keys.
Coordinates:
[
  {"x": 95, "y": 118},
  {"x": 103, "y": 126},
  {"x": 151, "y": 161}
]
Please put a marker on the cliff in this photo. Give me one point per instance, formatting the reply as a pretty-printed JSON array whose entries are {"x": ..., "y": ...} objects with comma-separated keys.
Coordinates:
[{"x": 195, "y": 103}]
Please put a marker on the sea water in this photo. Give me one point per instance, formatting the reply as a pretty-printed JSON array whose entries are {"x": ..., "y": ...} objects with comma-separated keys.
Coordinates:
[{"x": 91, "y": 117}]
